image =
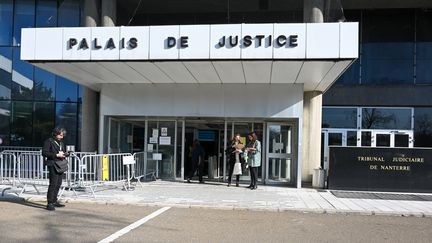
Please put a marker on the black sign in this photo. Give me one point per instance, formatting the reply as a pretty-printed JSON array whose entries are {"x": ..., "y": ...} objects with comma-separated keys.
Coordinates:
[{"x": 380, "y": 169}]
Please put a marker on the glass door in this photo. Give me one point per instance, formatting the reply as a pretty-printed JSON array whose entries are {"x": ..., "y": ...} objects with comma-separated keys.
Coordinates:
[
  {"x": 392, "y": 139},
  {"x": 336, "y": 137},
  {"x": 279, "y": 151}
]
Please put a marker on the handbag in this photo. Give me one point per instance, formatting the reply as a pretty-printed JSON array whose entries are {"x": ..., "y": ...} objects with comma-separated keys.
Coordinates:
[
  {"x": 237, "y": 169},
  {"x": 61, "y": 166}
]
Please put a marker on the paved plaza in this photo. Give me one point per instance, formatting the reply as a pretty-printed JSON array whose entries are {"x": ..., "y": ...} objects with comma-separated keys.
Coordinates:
[{"x": 265, "y": 198}]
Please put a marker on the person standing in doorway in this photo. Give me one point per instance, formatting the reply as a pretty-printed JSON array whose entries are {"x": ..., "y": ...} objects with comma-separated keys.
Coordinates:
[
  {"x": 235, "y": 159},
  {"x": 254, "y": 158},
  {"x": 197, "y": 159},
  {"x": 54, "y": 151}
]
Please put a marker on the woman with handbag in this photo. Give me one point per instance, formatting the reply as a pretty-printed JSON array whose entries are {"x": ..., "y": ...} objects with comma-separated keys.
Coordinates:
[
  {"x": 55, "y": 159},
  {"x": 235, "y": 159},
  {"x": 254, "y": 158}
]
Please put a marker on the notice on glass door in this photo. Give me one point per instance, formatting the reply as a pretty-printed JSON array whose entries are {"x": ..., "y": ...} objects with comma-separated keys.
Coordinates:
[
  {"x": 153, "y": 140},
  {"x": 155, "y": 133},
  {"x": 164, "y": 131},
  {"x": 164, "y": 140}
]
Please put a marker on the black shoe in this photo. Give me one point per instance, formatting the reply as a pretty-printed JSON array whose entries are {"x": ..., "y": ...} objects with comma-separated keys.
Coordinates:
[
  {"x": 237, "y": 184},
  {"x": 58, "y": 205},
  {"x": 188, "y": 180},
  {"x": 50, "y": 207},
  {"x": 229, "y": 184},
  {"x": 201, "y": 182},
  {"x": 250, "y": 186}
]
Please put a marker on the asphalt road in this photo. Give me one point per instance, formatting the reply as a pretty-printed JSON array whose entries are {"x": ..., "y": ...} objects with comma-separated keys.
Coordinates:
[{"x": 30, "y": 222}]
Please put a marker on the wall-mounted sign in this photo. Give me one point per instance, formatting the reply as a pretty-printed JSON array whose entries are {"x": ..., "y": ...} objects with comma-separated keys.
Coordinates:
[
  {"x": 380, "y": 169},
  {"x": 164, "y": 131},
  {"x": 225, "y": 41}
]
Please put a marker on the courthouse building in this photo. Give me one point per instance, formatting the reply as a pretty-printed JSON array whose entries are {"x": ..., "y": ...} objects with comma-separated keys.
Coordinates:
[{"x": 152, "y": 76}]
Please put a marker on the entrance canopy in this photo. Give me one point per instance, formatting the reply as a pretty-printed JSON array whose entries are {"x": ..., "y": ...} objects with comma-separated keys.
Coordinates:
[{"x": 311, "y": 54}]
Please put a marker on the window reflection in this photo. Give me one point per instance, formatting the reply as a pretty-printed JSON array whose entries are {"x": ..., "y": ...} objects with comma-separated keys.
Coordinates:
[
  {"x": 4, "y": 122},
  {"x": 339, "y": 118},
  {"x": 6, "y": 16},
  {"x": 23, "y": 18},
  {"x": 377, "y": 118},
  {"x": 423, "y": 127},
  {"x": 43, "y": 122},
  {"x": 22, "y": 77},
  {"x": 66, "y": 90},
  {"x": 423, "y": 47},
  {"x": 44, "y": 85},
  {"x": 5, "y": 72},
  {"x": 66, "y": 117},
  {"x": 21, "y": 123}
]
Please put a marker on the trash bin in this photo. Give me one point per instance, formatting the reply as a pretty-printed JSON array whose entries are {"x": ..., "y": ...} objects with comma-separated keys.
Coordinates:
[{"x": 318, "y": 178}]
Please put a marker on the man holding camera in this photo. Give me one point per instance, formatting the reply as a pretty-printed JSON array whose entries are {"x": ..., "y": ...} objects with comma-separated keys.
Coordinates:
[{"x": 55, "y": 155}]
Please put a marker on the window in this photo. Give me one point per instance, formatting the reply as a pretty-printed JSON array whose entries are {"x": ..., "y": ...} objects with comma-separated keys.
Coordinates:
[
  {"x": 22, "y": 77},
  {"x": 46, "y": 13},
  {"x": 424, "y": 47},
  {"x": 339, "y": 118},
  {"x": 380, "y": 118},
  {"x": 423, "y": 127},
  {"x": 66, "y": 90},
  {"x": 4, "y": 122},
  {"x": 21, "y": 123},
  {"x": 66, "y": 117},
  {"x": 44, "y": 85},
  {"x": 6, "y": 20},
  {"x": 351, "y": 75},
  {"x": 69, "y": 13},
  {"x": 23, "y": 18},
  {"x": 388, "y": 47},
  {"x": 5, "y": 72},
  {"x": 43, "y": 122}
]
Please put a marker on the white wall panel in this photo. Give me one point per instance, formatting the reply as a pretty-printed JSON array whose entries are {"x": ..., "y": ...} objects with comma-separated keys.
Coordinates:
[
  {"x": 49, "y": 44},
  {"x": 28, "y": 40},
  {"x": 82, "y": 36},
  {"x": 322, "y": 40},
  {"x": 141, "y": 51},
  {"x": 287, "y": 51},
  {"x": 198, "y": 41},
  {"x": 227, "y": 51},
  {"x": 103, "y": 35},
  {"x": 159, "y": 42},
  {"x": 258, "y": 49},
  {"x": 349, "y": 40}
]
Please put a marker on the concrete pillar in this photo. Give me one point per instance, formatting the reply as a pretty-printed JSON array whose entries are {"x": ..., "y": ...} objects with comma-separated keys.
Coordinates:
[
  {"x": 89, "y": 112},
  {"x": 109, "y": 11},
  {"x": 312, "y": 105},
  {"x": 312, "y": 117},
  {"x": 313, "y": 11}
]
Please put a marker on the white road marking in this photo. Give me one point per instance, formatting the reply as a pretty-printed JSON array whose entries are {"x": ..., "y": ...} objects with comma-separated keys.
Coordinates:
[{"x": 125, "y": 230}]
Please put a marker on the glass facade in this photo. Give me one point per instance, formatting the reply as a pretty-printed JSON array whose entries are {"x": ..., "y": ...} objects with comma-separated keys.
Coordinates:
[{"x": 32, "y": 100}]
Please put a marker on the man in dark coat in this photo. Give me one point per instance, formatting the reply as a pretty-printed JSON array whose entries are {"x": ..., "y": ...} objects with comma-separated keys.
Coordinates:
[{"x": 197, "y": 159}]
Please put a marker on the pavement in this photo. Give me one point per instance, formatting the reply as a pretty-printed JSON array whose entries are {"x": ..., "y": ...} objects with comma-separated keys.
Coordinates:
[{"x": 266, "y": 198}]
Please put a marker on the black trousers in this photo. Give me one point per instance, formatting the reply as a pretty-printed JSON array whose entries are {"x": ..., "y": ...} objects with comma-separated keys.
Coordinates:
[
  {"x": 197, "y": 166},
  {"x": 253, "y": 176},
  {"x": 55, "y": 181},
  {"x": 231, "y": 169}
]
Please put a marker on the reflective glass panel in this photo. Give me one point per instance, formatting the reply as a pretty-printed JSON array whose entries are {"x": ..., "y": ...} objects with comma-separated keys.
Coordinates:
[
  {"x": 335, "y": 139},
  {"x": 22, "y": 77},
  {"x": 69, "y": 13},
  {"x": 21, "y": 123},
  {"x": 388, "y": 47},
  {"x": 366, "y": 139},
  {"x": 44, "y": 85},
  {"x": 66, "y": 117},
  {"x": 351, "y": 75},
  {"x": 383, "y": 140},
  {"x": 24, "y": 17},
  {"x": 339, "y": 118},
  {"x": 423, "y": 127},
  {"x": 5, "y": 72},
  {"x": 424, "y": 47},
  {"x": 6, "y": 20},
  {"x": 5, "y": 122},
  {"x": 401, "y": 140},
  {"x": 46, "y": 13},
  {"x": 380, "y": 118},
  {"x": 43, "y": 122},
  {"x": 66, "y": 90},
  {"x": 351, "y": 138}
]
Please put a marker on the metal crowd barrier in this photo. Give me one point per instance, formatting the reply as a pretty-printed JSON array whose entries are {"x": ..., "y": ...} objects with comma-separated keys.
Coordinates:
[
  {"x": 144, "y": 169},
  {"x": 30, "y": 170},
  {"x": 7, "y": 167}
]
